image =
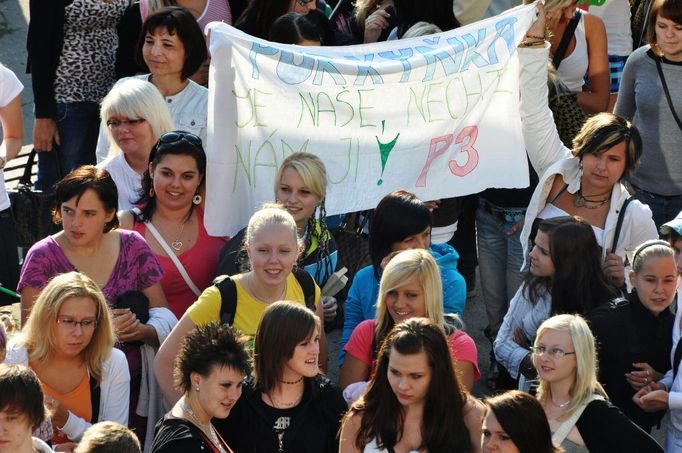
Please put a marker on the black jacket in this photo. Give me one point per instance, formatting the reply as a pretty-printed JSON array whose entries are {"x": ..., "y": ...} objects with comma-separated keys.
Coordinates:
[
  {"x": 626, "y": 333},
  {"x": 313, "y": 429},
  {"x": 176, "y": 435}
]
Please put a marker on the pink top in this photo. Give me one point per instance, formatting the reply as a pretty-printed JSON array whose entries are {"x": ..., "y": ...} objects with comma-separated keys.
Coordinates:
[
  {"x": 200, "y": 262},
  {"x": 361, "y": 344},
  {"x": 215, "y": 11}
]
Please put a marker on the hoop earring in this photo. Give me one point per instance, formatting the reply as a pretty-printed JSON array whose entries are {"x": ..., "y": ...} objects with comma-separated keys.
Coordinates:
[
  {"x": 197, "y": 199},
  {"x": 151, "y": 192}
]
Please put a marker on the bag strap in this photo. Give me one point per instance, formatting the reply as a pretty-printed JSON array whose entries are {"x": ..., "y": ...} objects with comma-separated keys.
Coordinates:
[
  {"x": 25, "y": 179},
  {"x": 308, "y": 286},
  {"x": 562, "y": 432},
  {"x": 566, "y": 39},
  {"x": 185, "y": 276},
  {"x": 619, "y": 223},
  {"x": 228, "y": 298},
  {"x": 667, "y": 93}
]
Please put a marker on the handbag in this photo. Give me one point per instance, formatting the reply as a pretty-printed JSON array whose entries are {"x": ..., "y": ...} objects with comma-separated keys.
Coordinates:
[
  {"x": 32, "y": 209},
  {"x": 569, "y": 117}
]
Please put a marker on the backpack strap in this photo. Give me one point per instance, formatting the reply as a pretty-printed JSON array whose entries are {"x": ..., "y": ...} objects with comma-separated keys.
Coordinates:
[
  {"x": 619, "y": 224},
  {"x": 308, "y": 286},
  {"x": 95, "y": 393},
  {"x": 228, "y": 298},
  {"x": 566, "y": 39}
]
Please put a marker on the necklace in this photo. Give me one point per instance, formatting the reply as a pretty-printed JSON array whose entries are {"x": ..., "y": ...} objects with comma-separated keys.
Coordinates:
[
  {"x": 177, "y": 243},
  {"x": 562, "y": 405},
  {"x": 208, "y": 430},
  {"x": 259, "y": 299},
  {"x": 282, "y": 405},
  {"x": 580, "y": 201},
  {"x": 292, "y": 382}
]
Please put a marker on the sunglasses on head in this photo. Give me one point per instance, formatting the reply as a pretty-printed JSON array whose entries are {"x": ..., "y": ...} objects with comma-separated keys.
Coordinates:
[{"x": 176, "y": 136}]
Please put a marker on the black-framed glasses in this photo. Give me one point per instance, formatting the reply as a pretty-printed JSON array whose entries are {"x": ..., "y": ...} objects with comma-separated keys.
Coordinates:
[
  {"x": 556, "y": 353},
  {"x": 114, "y": 124},
  {"x": 176, "y": 136},
  {"x": 71, "y": 324}
]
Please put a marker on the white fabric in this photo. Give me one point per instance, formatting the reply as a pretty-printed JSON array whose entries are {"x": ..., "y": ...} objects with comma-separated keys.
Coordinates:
[
  {"x": 574, "y": 66},
  {"x": 550, "y": 158},
  {"x": 39, "y": 446},
  {"x": 372, "y": 448},
  {"x": 114, "y": 390},
  {"x": 128, "y": 181},
  {"x": 151, "y": 403},
  {"x": 550, "y": 211},
  {"x": 188, "y": 109},
  {"x": 10, "y": 87},
  {"x": 354, "y": 391},
  {"x": 616, "y": 17},
  {"x": 673, "y": 434}
]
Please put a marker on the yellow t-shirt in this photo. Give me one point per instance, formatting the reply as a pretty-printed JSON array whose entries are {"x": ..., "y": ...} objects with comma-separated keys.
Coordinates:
[{"x": 249, "y": 310}]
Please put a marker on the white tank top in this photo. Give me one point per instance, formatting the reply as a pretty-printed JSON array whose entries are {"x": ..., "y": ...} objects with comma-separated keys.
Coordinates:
[
  {"x": 574, "y": 66},
  {"x": 550, "y": 211}
]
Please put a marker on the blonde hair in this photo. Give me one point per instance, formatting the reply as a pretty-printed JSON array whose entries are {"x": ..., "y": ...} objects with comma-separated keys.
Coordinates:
[
  {"x": 108, "y": 437},
  {"x": 363, "y": 8},
  {"x": 270, "y": 214},
  {"x": 406, "y": 265},
  {"x": 135, "y": 98},
  {"x": 421, "y": 29},
  {"x": 552, "y": 5},
  {"x": 38, "y": 336},
  {"x": 585, "y": 383},
  {"x": 655, "y": 248},
  {"x": 311, "y": 170}
]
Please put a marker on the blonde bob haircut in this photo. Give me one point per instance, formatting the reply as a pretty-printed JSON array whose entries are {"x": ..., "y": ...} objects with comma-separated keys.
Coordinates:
[
  {"x": 654, "y": 248},
  {"x": 270, "y": 214},
  {"x": 311, "y": 170},
  {"x": 405, "y": 266},
  {"x": 134, "y": 99},
  {"x": 585, "y": 383},
  {"x": 39, "y": 337}
]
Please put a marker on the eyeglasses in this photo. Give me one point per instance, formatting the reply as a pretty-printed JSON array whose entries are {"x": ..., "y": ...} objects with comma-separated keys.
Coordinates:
[
  {"x": 71, "y": 324},
  {"x": 115, "y": 124},
  {"x": 176, "y": 136},
  {"x": 555, "y": 353}
]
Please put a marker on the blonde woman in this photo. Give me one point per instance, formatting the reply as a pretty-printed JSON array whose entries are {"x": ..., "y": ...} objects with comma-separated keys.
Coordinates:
[
  {"x": 410, "y": 287},
  {"x": 272, "y": 245},
  {"x": 134, "y": 116},
  {"x": 68, "y": 341},
  {"x": 580, "y": 417}
]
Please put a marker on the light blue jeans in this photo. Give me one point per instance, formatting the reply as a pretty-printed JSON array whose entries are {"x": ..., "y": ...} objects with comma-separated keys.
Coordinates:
[{"x": 500, "y": 257}]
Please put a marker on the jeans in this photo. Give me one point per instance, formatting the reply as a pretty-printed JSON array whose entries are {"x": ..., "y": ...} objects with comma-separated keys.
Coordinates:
[
  {"x": 663, "y": 207},
  {"x": 78, "y": 126},
  {"x": 500, "y": 257}
]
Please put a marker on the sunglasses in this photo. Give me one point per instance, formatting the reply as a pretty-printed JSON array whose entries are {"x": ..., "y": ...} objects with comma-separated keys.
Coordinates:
[{"x": 176, "y": 136}]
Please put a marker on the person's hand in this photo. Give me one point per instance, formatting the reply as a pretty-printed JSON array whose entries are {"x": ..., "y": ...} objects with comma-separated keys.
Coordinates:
[
  {"x": 643, "y": 375},
  {"x": 527, "y": 368},
  {"x": 44, "y": 134},
  {"x": 520, "y": 338},
  {"x": 651, "y": 398},
  {"x": 66, "y": 446},
  {"x": 126, "y": 325},
  {"x": 330, "y": 306},
  {"x": 375, "y": 24},
  {"x": 59, "y": 414},
  {"x": 432, "y": 205},
  {"x": 614, "y": 267},
  {"x": 540, "y": 25},
  {"x": 518, "y": 226}
]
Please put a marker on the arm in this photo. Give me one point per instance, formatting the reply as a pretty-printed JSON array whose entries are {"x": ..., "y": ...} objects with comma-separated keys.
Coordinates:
[
  {"x": 626, "y": 105},
  {"x": 465, "y": 374},
  {"x": 129, "y": 328},
  {"x": 29, "y": 295},
  {"x": 12, "y": 129},
  {"x": 473, "y": 419},
  {"x": 604, "y": 427},
  {"x": 163, "y": 363},
  {"x": 125, "y": 220},
  {"x": 358, "y": 361},
  {"x": 507, "y": 351},
  {"x": 353, "y": 370},
  {"x": 353, "y": 307},
  {"x": 349, "y": 432},
  {"x": 596, "y": 99}
]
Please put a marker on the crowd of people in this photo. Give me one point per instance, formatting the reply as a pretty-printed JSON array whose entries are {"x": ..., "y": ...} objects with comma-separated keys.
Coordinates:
[{"x": 141, "y": 332}]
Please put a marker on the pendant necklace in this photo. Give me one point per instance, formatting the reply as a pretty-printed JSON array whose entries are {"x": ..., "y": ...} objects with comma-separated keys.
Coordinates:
[
  {"x": 177, "y": 243},
  {"x": 208, "y": 430},
  {"x": 580, "y": 201}
]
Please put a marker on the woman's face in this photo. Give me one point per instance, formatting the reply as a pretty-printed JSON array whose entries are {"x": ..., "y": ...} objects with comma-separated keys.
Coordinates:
[
  {"x": 494, "y": 439},
  {"x": 541, "y": 264},
  {"x": 669, "y": 38},
  {"x": 84, "y": 220},
  {"x": 421, "y": 240},
  {"x": 15, "y": 432},
  {"x": 409, "y": 376},
  {"x": 164, "y": 53},
  {"x": 296, "y": 197},
  {"x": 304, "y": 361},
  {"x": 406, "y": 301},
  {"x": 554, "y": 369},
  {"x": 76, "y": 324},
  {"x": 176, "y": 180},
  {"x": 656, "y": 283},
  {"x": 272, "y": 254},
  {"x": 132, "y": 135},
  {"x": 603, "y": 170},
  {"x": 219, "y": 391},
  {"x": 302, "y": 6}
]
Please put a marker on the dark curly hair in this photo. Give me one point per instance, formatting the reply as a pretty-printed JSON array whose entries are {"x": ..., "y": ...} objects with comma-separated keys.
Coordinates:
[{"x": 208, "y": 346}]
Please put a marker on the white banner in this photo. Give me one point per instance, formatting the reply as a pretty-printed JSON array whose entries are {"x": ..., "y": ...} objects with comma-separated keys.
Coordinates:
[{"x": 436, "y": 115}]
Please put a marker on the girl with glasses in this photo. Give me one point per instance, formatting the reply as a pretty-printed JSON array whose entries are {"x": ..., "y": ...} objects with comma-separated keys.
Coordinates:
[
  {"x": 69, "y": 342},
  {"x": 580, "y": 417},
  {"x": 565, "y": 276}
]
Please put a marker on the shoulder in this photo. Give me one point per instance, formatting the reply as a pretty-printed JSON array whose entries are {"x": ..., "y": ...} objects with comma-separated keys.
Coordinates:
[
  {"x": 474, "y": 411},
  {"x": 197, "y": 89},
  {"x": 365, "y": 328},
  {"x": 115, "y": 363},
  {"x": 330, "y": 392},
  {"x": 639, "y": 54},
  {"x": 364, "y": 274},
  {"x": 443, "y": 252},
  {"x": 594, "y": 26},
  {"x": 174, "y": 434}
]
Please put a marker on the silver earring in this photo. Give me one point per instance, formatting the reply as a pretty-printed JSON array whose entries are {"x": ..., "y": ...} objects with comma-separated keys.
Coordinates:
[{"x": 197, "y": 199}]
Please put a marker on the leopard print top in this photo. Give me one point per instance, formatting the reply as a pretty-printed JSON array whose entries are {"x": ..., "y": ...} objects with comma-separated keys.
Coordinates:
[{"x": 86, "y": 65}]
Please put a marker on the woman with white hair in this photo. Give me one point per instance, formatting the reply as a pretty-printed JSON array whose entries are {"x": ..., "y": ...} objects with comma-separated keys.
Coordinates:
[
  {"x": 135, "y": 116},
  {"x": 580, "y": 417}
]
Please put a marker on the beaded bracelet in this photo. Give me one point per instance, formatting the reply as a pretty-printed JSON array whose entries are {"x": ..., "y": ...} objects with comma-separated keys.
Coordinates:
[{"x": 531, "y": 43}]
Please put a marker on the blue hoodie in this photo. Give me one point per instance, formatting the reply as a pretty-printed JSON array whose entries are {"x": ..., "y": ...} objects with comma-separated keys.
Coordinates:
[{"x": 361, "y": 302}]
